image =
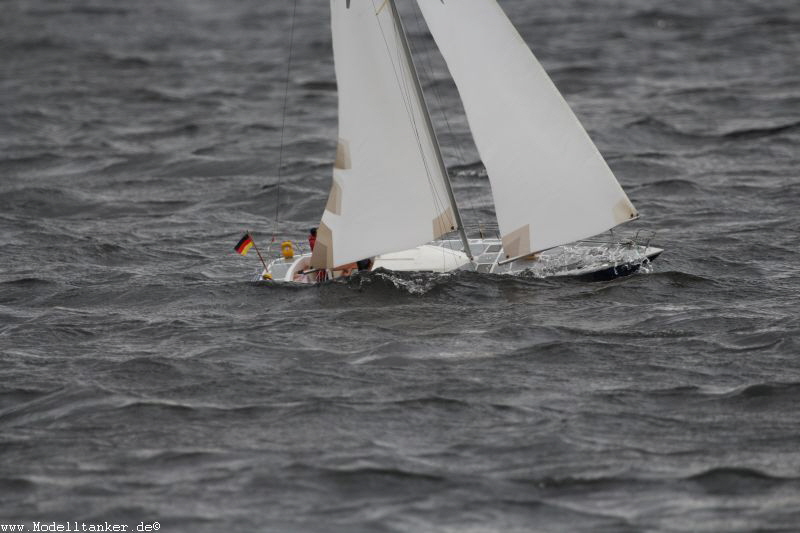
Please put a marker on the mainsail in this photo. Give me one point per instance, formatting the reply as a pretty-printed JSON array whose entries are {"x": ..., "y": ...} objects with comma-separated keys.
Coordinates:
[
  {"x": 388, "y": 193},
  {"x": 550, "y": 184}
]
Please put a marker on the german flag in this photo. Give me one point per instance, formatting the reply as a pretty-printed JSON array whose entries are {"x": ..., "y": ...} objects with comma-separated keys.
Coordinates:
[{"x": 244, "y": 245}]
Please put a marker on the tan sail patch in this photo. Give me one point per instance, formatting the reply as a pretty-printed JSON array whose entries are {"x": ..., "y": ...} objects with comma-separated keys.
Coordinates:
[
  {"x": 334, "y": 204},
  {"x": 343, "y": 161},
  {"x": 444, "y": 223},
  {"x": 518, "y": 242},
  {"x": 624, "y": 211},
  {"x": 378, "y": 12},
  {"x": 322, "y": 257}
]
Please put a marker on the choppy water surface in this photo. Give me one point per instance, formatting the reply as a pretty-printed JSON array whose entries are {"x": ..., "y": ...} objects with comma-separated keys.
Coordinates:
[{"x": 143, "y": 378}]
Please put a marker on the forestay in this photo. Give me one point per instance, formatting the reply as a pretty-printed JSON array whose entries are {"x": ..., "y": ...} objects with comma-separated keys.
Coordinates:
[
  {"x": 387, "y": 193},
  {"x": 550, "y": 184}
]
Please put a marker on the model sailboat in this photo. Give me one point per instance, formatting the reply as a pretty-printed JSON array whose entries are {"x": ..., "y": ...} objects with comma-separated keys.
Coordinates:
[{"x": 391, "y": 192}]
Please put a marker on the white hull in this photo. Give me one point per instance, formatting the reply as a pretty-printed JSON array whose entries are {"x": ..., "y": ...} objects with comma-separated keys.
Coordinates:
[{"x": 583, "y": 259}]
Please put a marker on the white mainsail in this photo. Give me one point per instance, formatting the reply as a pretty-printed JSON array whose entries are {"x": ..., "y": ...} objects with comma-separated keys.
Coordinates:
[
  {"x": 550, "y": 184},
  {"x": 388, "y": 193}
]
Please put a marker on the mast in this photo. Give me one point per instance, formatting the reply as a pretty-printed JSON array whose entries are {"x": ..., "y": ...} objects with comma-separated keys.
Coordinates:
[{"x": 429, "y": 125}]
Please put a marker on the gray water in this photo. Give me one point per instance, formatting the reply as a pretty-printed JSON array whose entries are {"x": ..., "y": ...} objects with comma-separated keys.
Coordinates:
[{"x": 144, "y": 378}]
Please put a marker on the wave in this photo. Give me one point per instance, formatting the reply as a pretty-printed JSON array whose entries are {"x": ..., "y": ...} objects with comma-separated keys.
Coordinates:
[
  {"x": 44, "y": 202},
  {"x": 766, "y": 131},
  {"x": 716, "y": 478},
  {"x": 37, "y": 44},
  {"x": 30, "y": 162},
  {"x": 662, "y": 127},
  {"x": 581, "y": 70},
  {"x": 99, "y": 10},
  {"x": 573, "y": 482},
  {"x": 760, "y": 392},
  {"x": 432, "y": 284},
  {"x": 672, "y": 186},
  {"x": 158, "y": 409},
  {"x": 660, "y": 14},
  {"x": 730, "y": 480},
  {"x": 389, "y": 283},
  {"x": 78, "y": 10},
  {"x": 10, "y": 485},
  {"x": 319, "y": 85},
  {"x": 23, "y": 291},
  {"x": 779, "y": 21},
  {"x": 154, "y": 95},
  {"x": 364, "y": 474},
  {"x": 682, "y": 279},
  {"x": 257, "y": 127},
  {"x": 385, "y": 473},
  {"x": 126, "y": 62},
  {"x": 48, "y": 407},
  {"x": 160, "y": 366},
  {"x": 727, "y": 473},
  {"x": 210, "y": 168},
  {"x": 767, "y": 391},
  {"x": 170, "y": 132},
  {"x": 669, "y": 278},
  {"x": 28, "y": 282},
  {"x": 118, "y": 61}
]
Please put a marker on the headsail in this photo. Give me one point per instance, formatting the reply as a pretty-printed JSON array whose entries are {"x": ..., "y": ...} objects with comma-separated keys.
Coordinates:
[
  {"x": 388, "y": 193},
  {"x": 550, "y": 184}
]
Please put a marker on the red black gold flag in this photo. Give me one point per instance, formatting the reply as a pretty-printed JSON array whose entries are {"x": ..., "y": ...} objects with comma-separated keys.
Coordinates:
[{"x": 244, "y": 245}]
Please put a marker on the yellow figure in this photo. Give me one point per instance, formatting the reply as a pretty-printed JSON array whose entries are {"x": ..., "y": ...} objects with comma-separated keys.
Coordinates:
[{"x": 287, "y": 250}]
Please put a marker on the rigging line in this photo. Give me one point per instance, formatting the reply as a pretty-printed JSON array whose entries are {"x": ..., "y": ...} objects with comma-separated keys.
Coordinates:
[
  {"x": 436, "y": 185},
  {"x": 402, "y": 60},
  {"x": 283, "y": 120},
  {"x": 406, "y": 95},
  {"x": 418, "y": 91},
  {"x": 408, "y": 100},
  {"x": 427, "y": 65},
  {"x": 410, "y": 95},
  {"x": 439, "y": 204}
]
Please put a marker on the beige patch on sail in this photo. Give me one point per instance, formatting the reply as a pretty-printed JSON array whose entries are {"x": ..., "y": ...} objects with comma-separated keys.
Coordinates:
[
  {"x": 378, "y": 12},
  {"x": 334, "y": 204},
  {"x": 343, "y": 161},
  {"x": 518, "y": 242},
  {"x": 322, "y": 257},
  {"x": 444, "y": 223},
  {"x": 624, "y": 211}
]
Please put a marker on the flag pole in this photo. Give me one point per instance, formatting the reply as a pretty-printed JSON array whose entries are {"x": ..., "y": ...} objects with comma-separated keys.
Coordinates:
[{"x": 258, "y": 252}]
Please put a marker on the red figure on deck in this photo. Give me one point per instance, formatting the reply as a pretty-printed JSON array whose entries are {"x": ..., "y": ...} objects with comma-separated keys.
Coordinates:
[{"x": 312, "y": 238}]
